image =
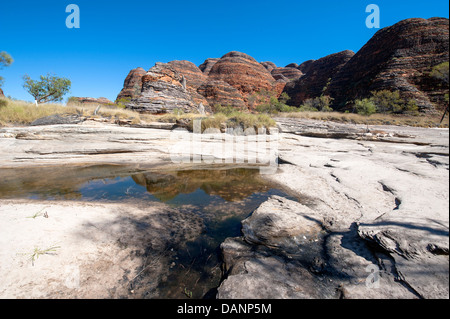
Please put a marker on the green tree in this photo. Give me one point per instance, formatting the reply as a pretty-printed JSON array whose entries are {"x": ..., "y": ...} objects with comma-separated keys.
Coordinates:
[
  {"x": 5, "y": 61},
  {"x": 50, "y": 88},
  {"x": 365, "y": 107}
]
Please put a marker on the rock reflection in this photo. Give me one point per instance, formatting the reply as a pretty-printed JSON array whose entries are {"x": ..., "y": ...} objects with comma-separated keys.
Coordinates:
[{"x": 231, "y": 184}]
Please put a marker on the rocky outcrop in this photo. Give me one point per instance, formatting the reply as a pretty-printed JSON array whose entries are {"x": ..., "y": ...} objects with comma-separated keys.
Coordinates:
[
  {"x": 286, "y": 74},
  {"x": 1, "y": 93},
  {"x": 163, "y": 90},
  {"x": 292, "y": 65},
  {"x": 269, "y": 65},
  {"x": 306, "y": 66},
  {"x": 132, "y": 85},
  {"x": 317, "y": 77},
  {"x": 206, "y": 66},
  {"x": 398, "y": 57},
  {"x": 220, "y": 92},
  {"x": 194, "y": 79},
  {"x": 242, "y": 72}
]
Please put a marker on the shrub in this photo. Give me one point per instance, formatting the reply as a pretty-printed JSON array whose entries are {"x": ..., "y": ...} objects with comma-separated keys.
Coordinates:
[
  {"x": 387, "y": 101},
  {"x": 307, "y": 108},
  {"x": 411, "y": 107},
  {"x": 121, "y": 103},
  {"x": 227, "y": 109},
  {"x": 365, "y": 107},
  {"x": 321, "y": 103},
  {"x": 267, "y": 102},
  {"x": 3, "y": 102},
  {"x": 440, "y": 72}
]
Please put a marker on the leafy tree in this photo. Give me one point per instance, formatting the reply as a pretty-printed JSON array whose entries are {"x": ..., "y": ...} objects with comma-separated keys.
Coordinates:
[
  {"x": 365, "y": 107},
  {"x": 5, "y": 61},
  {"x": 50, "y": 88}
]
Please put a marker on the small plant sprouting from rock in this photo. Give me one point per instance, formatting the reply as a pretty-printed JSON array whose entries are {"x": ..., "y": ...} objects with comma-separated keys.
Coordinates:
[
  {"x": 34, "y": 255},
  {"x": 39, "y": 213},
  {"x": 188, "y": 293}
]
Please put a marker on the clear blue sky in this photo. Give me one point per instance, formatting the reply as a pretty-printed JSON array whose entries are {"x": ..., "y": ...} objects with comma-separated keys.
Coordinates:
[{"x": 117, "y": 36}]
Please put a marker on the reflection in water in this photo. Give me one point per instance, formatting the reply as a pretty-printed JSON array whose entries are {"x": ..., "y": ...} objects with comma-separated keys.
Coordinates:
[
  {"x": 231, "y": 185},
  {"x": 220, "y": 198}
]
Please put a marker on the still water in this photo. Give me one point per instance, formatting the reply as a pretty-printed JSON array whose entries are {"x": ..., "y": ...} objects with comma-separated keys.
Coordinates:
[{"x": 220, "y": 198}]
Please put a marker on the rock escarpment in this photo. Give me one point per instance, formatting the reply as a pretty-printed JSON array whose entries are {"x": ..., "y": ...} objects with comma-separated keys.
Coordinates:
[
  {"x": 319, "y": 74},
  {"x": 181, "y": 84},
  {"x": 400, "y": 58},
  {"x": 397, "y": 58}
]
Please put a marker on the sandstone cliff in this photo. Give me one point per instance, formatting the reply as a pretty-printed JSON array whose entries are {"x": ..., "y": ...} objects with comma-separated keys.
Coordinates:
[
  {"x": 400, "y": 58},
  {"x": 319, "y": 74},
  {"x": 397, "y": 58}
]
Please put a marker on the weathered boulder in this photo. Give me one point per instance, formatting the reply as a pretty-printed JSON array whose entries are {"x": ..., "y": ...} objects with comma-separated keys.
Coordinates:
[
  {"x": 277, "y": 256},
  {"x": 132, "y": 85},
  {"x": 281, "y": 223},
  {"x": 317, "y": 77},
  {"x": 256, "y": 272},
  {"x": 163, "y": 91},
  {"x": 398, "y": 57}
]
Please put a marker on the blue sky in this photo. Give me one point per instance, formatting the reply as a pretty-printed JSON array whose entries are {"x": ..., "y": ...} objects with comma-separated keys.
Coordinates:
[{"x": 117, "y": 36}]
